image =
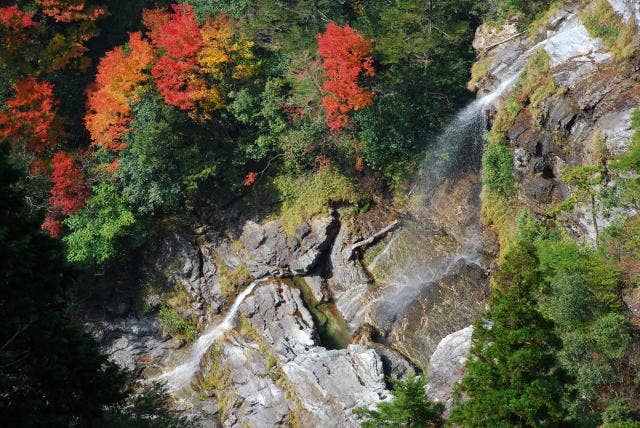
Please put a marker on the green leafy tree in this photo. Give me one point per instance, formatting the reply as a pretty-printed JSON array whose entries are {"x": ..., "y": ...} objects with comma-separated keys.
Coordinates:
[
  {"x": 409, "y": 407},
  {"x": 165, "y": 157},
  {"x": 97, "y": 231}
]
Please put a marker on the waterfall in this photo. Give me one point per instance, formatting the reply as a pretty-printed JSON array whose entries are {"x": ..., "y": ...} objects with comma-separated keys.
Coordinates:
[
  {"x": 181, "y": 375},
  {"x": 460, "y": 142}
]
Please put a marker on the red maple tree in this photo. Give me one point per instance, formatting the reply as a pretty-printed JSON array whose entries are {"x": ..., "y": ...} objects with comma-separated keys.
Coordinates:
[
  {"x": 30, "y": 115},
  {"x": 178, "y": 35},
  {"x": 177, "y": 82},
  {"x": 69, "y": 191},
  {"x": 345, "y": 57},
  {"x": 70, "y": 10}
]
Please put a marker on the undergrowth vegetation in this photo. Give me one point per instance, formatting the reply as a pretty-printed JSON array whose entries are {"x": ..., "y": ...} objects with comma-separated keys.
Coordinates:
[{"x": 603, "y": 22}]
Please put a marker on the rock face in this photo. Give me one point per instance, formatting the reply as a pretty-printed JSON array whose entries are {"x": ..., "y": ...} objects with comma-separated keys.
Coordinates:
[
  {"x": 277, "y": 373},
  {"x": 446, "y": 366},
  {"x": 568, "y": 128},
  {"x": 135, "y": 343},
  {"x": 269, "y": 251}
]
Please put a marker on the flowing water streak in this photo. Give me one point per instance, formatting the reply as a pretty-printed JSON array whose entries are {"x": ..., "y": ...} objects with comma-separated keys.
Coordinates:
[{"x": 182, "y": 374}]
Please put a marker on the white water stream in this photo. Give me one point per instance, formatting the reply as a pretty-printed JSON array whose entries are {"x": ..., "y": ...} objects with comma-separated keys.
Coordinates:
[{"x": 181, "y": 375}]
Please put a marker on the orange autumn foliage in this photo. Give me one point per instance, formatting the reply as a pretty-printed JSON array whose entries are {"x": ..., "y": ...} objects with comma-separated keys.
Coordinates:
[
  {"x": 345, "y": 58},
  {"x": 70, "y": 10},
  {"x": 120, "y": 72},
  {"x": 29, "y": 117}
]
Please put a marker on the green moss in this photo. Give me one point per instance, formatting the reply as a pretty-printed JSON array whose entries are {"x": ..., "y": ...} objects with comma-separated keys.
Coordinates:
[
  {"x": 175, "y": 324},
  {"x": 602, "y": 21},
  {"x": 232, "y": 281},
  {"x": 372, "y": 252},
  {"x": 539, "y": 24},
  {"x": 310, "y": 195},
  {"x": 479, "y": 70}
]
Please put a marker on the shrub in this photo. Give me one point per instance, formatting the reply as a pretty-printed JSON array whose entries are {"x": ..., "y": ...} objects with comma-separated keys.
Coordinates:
[
  {"x": 409, "y": 407},
  {"x": 310, "y": 195},
  {"x": 497, "y": 167},
  {"x": 176, "y": 324}
]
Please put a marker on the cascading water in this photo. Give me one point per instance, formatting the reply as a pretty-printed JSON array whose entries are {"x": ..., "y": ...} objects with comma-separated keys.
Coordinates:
[{"x": 181, "y": 375}]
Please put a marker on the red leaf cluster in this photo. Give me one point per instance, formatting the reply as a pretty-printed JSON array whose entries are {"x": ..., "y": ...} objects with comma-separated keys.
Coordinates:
[
  {"x": 178, "y": 35},
  {"x": 70, "y": 10},
  {"x": 12, "y": 17},
  {"x": 345, "y": 57},
  {"x": 30, "y": 115},
  {"x": 52, "y": 225},
  {"x": 250, "y": 178},
  {"x": 119, "y": 74},
  {"x": 69, "y": 191}
]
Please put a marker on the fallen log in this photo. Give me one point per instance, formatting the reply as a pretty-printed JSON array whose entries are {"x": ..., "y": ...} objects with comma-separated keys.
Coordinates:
[{"x": 373, "y": 238}]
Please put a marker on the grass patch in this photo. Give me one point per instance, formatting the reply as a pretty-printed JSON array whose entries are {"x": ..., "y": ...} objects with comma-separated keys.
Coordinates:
[
  {"x": 310, "y": 195},
  {"x": 602, "y": 22},
  {"x": 218, "y": 383},
  {"x": 540, "y": 22},
  {"x": 535, "y": 85},
  {"x": 231, "y": 280},
  {"x": 372, "y": 252},
  {"x": 501, "y": 213},
  {"x": 176, "y": 325}
]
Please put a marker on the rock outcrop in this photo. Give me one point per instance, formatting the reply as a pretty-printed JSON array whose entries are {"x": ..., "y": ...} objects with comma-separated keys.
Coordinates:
[
  {"x": 276, "y": 372},
  {"x": 446, "y": 366},
  {"x": 269, "y": 251}
]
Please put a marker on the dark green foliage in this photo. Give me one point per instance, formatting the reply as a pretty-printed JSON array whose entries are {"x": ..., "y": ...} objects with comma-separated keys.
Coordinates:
[
  {"x": 497, "y": 169},
  {"x": 51, "y": 371},
  {"x": 148, "y": 408},
  {"x": 409, "y": 407},
  {"x": 525, "y": 10},
  {"x": 166, "y": 156},
  {"x": 419, "y": 83},
  {"x": 513, "y": 376}
]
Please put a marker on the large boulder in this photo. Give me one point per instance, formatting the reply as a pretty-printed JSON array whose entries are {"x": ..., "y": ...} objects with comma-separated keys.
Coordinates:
[
  {"x": 135, "y": 343},
  {"x": 446, "y": 366}
]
